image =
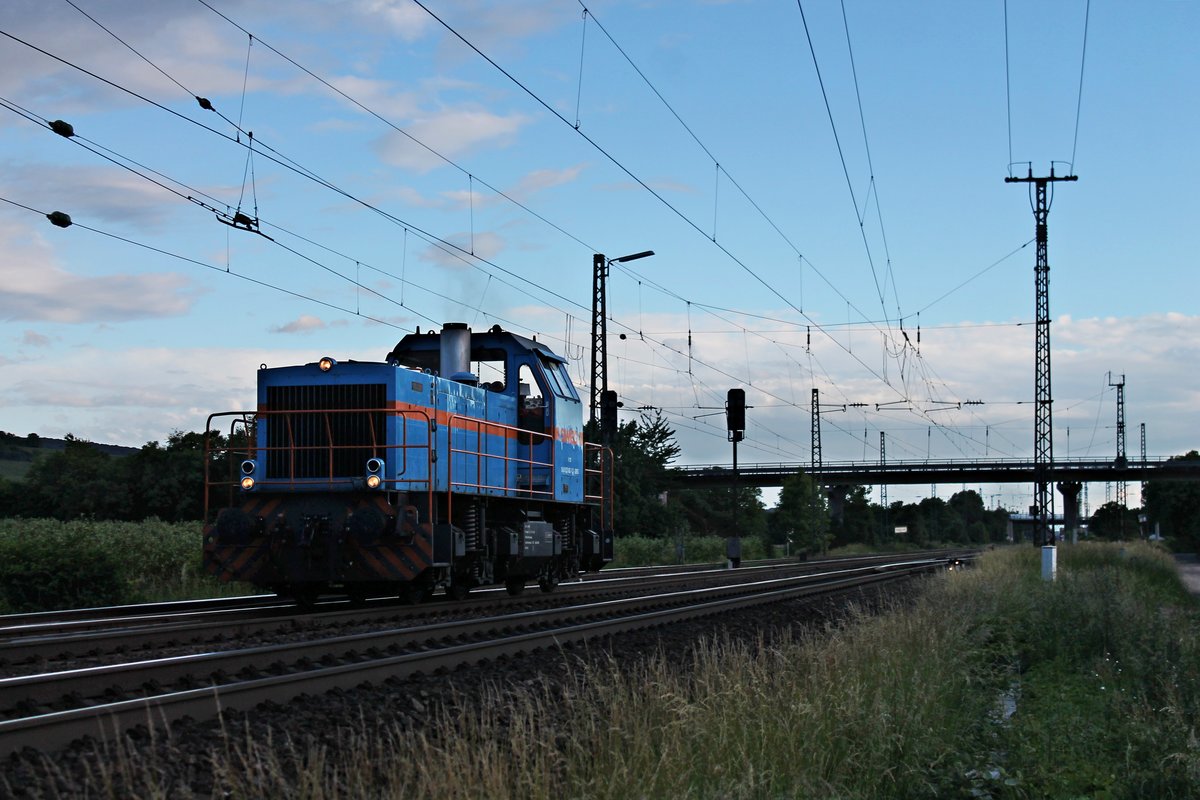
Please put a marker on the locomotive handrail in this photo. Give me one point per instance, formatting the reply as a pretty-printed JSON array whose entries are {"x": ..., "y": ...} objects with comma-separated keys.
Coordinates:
[
  {"x": 210, "y": 454},
  {"x": 403, "y": 447},
  {"x": 374, "y": 446},
  {"x": 482, "y": 456},
  {"x": 251, "y": 449},
  {"x": 604, "y": 476}
]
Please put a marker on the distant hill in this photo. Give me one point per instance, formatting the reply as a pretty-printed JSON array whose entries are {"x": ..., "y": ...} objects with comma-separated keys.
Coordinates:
[{"x": 17, "y": 453}]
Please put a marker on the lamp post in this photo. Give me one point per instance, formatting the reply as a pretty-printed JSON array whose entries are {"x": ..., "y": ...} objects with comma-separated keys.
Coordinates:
[{"x": 600, "y": 265}]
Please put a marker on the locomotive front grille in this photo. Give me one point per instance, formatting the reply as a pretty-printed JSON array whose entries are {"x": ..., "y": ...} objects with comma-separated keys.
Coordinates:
[{"x": 316, "y": 432}]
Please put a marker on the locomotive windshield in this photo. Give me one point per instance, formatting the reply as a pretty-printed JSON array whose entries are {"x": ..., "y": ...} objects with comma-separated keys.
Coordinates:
[{"x": 560, "y": 381}]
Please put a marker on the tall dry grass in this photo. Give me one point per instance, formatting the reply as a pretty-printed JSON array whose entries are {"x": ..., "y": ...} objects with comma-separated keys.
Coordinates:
[{"x": 992, "y": 684}]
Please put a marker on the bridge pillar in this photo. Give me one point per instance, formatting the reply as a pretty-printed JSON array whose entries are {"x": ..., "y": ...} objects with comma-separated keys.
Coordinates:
[
  {"x": 837, "y": 502},
  {"x": 1070, "y": 493}
]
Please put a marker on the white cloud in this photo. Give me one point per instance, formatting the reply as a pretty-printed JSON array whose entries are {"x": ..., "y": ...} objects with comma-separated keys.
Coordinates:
[
  {"x": 188, "y": 46},
  {"x": 542, "y": 179},
  {"x": 401, "y": 17},
  {"x": 59, "y": 296},
  {"x": 530, "y": 185},
  {"x": 34, "y": 339},
  {"x": 107, "y": 194},
  {"x": 505, "y": 25},
  {"x": 485, "y": 245},
  {"x": 134, "y": 395},
  {"x": 380, "y": 96},
  {"x": 452, "y": 132},
  {"x": 303, "y": 324},
  {"x": 988, "y": 363},
  {"x": 131, "y": 396},
  {"x": 35, "y": 288}
]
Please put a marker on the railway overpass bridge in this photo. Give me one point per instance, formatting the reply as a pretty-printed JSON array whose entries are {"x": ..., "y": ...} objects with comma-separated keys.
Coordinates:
[
  {"x": 849, "y": 473},
  {"x": 838, "y": 476}
]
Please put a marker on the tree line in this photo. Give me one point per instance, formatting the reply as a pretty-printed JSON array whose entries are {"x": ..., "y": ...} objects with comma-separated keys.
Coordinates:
[
  {"x": 650, "y": 501},
  {"x": 167, "y": 481},
  {"x": 163, "y": 481}
]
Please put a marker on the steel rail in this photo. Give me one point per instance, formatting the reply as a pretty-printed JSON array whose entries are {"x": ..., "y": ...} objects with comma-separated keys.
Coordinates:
[
  {"x": 59, "y": 621},
  {"x": 72, "y": 621},
  {"x": 32, "y": 645},
  {"x": 49, "y": 731},
  {"x": 11, "y": 623},
  {"x": 44, "y": 688},
  {"x": 192, "y": 630},
  {"x": 37, "y": 618}
]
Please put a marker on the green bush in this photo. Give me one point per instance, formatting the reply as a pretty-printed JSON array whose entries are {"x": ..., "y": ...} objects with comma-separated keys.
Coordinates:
[
  {"x": 39, "y": 573},
  {"x": 642, "y": 551},
  {"x": 47, "y": 564}
]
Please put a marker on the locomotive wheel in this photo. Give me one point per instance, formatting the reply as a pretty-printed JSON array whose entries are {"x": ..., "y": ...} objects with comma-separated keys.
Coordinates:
[
  {"x": 514, "y": 586},
  {"x": 547, "y": 583},
  {"x": 457, "y": 590}
]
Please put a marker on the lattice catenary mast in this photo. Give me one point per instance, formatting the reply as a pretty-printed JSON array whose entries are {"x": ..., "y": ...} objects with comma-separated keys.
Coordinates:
[
  {"x": 1043, "y": 440},
  {"x": 1142, "y": 499},
  {"x": 816, "y": 429},
  {"x": 1122, "y": 491}
]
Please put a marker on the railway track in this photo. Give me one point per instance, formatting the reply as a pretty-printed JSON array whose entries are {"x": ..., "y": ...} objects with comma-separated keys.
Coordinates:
[
  {"x": 65, "y": 640},
  {"x": 64, "y": 645},
  {"x": 49, "y": 710},
  {"x": 42, "y": 622}
]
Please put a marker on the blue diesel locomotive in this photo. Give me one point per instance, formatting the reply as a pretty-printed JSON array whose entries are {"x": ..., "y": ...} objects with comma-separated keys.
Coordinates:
[{"x": 457, "y": 462}]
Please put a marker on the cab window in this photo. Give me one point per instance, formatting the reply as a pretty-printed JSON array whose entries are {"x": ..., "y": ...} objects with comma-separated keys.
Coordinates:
[
  {"x": 560, "y": 382},
  {"x": 529, "y": 390}
]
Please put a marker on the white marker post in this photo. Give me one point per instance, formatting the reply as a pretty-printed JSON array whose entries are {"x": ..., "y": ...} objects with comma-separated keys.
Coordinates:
[{"x": 1049, "y": 562}]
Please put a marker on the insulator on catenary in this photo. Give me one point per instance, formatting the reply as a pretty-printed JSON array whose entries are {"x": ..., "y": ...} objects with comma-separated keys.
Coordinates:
[
  {"x": 62, "y": 128},
  {"x": 59, "y": 218},
  {"x": 204, "y": 103}
]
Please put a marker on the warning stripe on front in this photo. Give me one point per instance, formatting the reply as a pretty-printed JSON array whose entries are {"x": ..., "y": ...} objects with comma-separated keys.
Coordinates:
[
  {"x": 234, "y": 563},
  {"x": 390, "y": 559},
  {"x": 395, "y": 561}
]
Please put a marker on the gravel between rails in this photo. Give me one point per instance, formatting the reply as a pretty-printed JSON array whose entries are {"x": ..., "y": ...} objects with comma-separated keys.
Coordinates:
[{"x": 181, "y": 760}]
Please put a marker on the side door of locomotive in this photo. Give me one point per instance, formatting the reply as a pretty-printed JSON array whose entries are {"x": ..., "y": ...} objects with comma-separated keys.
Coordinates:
[{"x": 535, "y": 417}]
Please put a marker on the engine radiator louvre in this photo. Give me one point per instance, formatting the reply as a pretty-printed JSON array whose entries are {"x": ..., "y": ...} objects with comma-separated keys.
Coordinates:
[{"x": 325, "y": 430}]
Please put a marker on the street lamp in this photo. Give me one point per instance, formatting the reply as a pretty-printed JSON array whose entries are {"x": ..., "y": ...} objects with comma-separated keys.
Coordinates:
[{"x": 600, "y": 265}]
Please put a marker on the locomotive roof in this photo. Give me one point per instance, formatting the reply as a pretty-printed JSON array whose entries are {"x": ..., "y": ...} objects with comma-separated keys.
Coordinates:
[{"x": 417, "y": 348}]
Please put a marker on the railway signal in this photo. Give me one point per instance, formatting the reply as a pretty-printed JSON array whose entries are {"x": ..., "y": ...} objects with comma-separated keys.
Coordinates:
[{"x": 735, "y": 422}]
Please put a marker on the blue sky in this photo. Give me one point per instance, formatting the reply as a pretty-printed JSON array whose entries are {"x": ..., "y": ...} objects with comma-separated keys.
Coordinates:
[{"x": 738, "y": 186}]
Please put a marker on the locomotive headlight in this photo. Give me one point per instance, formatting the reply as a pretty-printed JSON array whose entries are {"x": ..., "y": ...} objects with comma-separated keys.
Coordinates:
[
  {"x": 375, "y": 467},
  {"x": 248, "y": 467},
  {"x": 326, "y": 363}
]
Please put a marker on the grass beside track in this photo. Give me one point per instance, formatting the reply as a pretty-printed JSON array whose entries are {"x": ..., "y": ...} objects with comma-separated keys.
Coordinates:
[{"x": 989, "y": 684}]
